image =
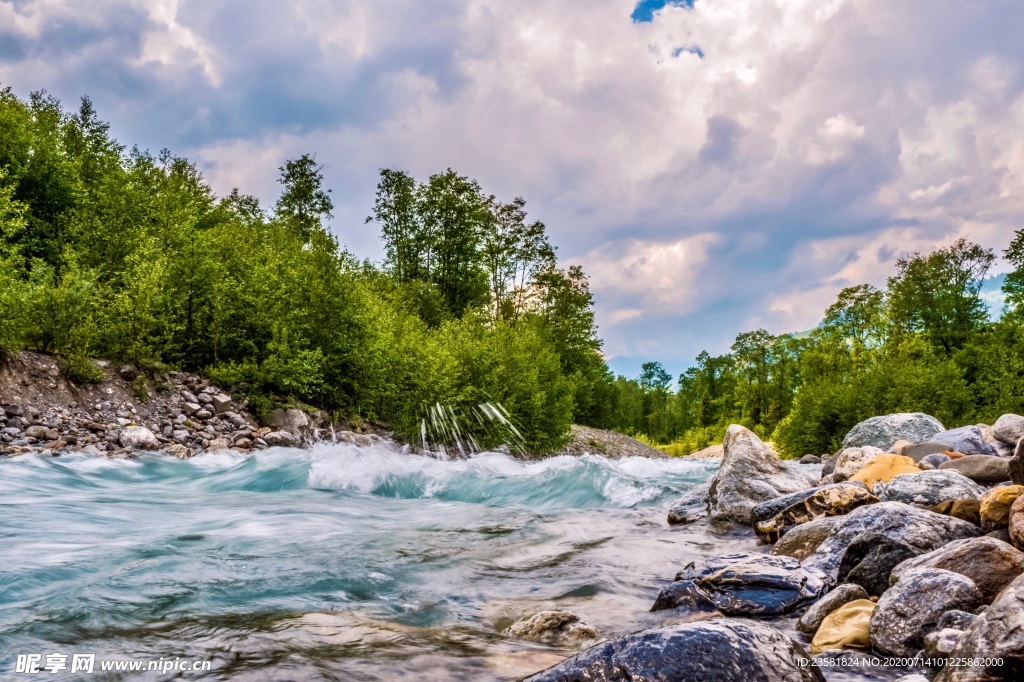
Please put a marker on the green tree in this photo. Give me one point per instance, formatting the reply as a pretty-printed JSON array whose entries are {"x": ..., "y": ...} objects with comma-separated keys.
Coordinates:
[{"x": 304, "y": 203}]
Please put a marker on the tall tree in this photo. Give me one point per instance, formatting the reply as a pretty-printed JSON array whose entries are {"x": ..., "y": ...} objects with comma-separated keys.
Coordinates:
[
  {"x": 407, "y": 247},
  {"x": 304, "y": 204}
]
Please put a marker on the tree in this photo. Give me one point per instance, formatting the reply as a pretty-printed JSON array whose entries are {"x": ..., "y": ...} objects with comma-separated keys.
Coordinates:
[
  {"x": 396, "y": 207},
  {"x": 1013, "y": 285},
  {"x": 304, "y": 204}
]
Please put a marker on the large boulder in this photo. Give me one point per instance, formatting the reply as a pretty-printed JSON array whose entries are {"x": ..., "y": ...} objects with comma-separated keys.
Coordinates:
[
  {"x": 750, "y": 473},
  {"x": 883, "y": 432},
  {"x": 871, "y": 558},
  {"x": 929, "y": 488},
  {"x": 966, "y": 439},
  {"x": 693, "y": 506},
  {"x": 918, "y": 451},
  {"x": 851, "y": 460},
  {"x": 990, "y": 563},
  {"x": 711, "y": 651},
  {"x": 551, "y": 626},
  {"x": 801, "y": 542},
  {"x": 846, "y": 626},
  {"x": 1009, "y": 428},
  {"x": 819, "y": 610},
  {"x": 996, "y": 505},
  {"x": 749, "y": 584},
  {"x": 773, "y": 518},
  {"x": 138, "y": 438},
  {"x": 912, "y": 607},
  {"x": 919, "y": 529},
  {"x": 980, "y": 468},
  {"x": 282, "y": 439},
  {"x": 996, "y": 637},
  {"x": 292, "y": 420}
]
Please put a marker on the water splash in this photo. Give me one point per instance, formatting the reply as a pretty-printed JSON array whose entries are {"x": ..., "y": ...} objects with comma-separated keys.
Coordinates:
[{"x": 447, "y": 430}]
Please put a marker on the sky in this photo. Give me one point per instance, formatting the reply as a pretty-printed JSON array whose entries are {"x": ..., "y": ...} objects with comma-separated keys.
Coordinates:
[{"x": 716, "y": 166}]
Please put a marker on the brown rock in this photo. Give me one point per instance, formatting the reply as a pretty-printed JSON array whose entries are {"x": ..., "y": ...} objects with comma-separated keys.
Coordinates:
[
  {"x": 1016, "y": 527},
  {"x": 966, "y": 510},
  {"x": 846, "y": 626},
  {"x": 883, "y": 468},
  {"x": 996, "y": 504}
]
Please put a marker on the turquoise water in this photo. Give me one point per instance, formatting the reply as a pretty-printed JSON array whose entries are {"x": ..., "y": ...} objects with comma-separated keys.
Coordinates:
[{"x": 340, "y": 563}]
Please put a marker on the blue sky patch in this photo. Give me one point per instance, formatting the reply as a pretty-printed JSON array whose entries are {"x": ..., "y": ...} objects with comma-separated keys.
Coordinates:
[
  {"x": 645, "y": 9},
  {"x": 692, "y": 50}
]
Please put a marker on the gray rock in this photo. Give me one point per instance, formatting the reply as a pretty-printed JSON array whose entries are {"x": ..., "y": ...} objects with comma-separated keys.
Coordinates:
[
  {"x": 292, "y": 420},
  {"x": 941, "y": 643},
  {"x": 13, "y": 410},
  {"x": 750, "y": 473},
  {"x": 851, "y": 460},
  {"x": 802, "y": 540},
  {"x": 138, "y": 438},
  {"x": 912, "y": 607},
  {"x": 956, "y": 619},
  {"x": 551, "y": 625},
  {"x": 966, "y": 439},
  {"x": 930, "y": 488},
  {"x": 189, "y": 397},
  {"x": 203, "y": 414},
  {"x": 810, "y": 459},
  {"x": 754, "y": 584},
  {"x": 205, "y": 398},
  {"x": 710, "y": 651},
  {"x": 843, "y": 594},
  {"x": 774, "y": 518},
  {"x": 981, "y": 468},
  {"x": 936, "y": 460},
  {"x": 221, "y": 403},
  {"x": 997, "y": 635},
  {"x": 1009, "y": 428},
  {"x": 1016, "y": 464},
  {"x": 917, "y": 528},
  {"x": 883, "y": 432},
  {"x": 41, "y": 433},
  {"x": 870, "y": 560},
  {"x": 280, "y": 439},
  {"x": 990, "y": 563},
  {"x": 685, "y": 595},
  {"x": 190, "y": 408},
  {"x": 692, "y": 506}
]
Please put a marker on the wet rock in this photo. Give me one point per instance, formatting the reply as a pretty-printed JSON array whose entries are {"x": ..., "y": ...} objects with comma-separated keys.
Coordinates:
[
  {"x": 980, "y": 468},
  {"x": 966, "y": 510},
  {"x": 996, "y": 505},
  {"x": 870, "y": 560},
  {"x": 711, "y": 651},
  {"x": 882, "y": 432},
  {"x": 818, "y": 611},
  {"x": 917, "y": 528},
  {"x": 176, "y": 450},
  {"x": 935, "y": 460},
  {"x": 138, "y": 438},
  {"x": 754, "y": 584},
  {"x": 883, "y": 468},
  {"x": 551, "y": 625},
  {"x": 929, "y": 488},
  {"x": 846, "y": 626},
  {"x": 773, "y": 518},
  {"x": 801, "y": 541},
  {"x": 218, "y": 444},
  {"x": 684, "y": 595},
  {"x": 750, "y": 473},
  {"x": 810, "y": 459},
  {"x": 991, "y": 564},
  {"x": 851, "y": 460},
  {"x": 912, "y": 607},
  {"x": 691, "y": 507},
  {"x": 966, "y": 439},
  {"x": 1009, "y": 428},
  {"x": 997, "y": 635},
  {"x": 280, "y": 439}
]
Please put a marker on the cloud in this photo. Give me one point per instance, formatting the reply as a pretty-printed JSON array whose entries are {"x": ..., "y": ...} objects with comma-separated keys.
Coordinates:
[{"x": 715, "y": 165}]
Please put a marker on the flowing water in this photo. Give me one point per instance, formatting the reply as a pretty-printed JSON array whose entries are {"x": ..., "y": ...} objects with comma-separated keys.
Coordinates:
[{"x": 339, "y": 563}]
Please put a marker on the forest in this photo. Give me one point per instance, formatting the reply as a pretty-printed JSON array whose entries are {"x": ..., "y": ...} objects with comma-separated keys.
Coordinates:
[{"x": 113, "y": 252}]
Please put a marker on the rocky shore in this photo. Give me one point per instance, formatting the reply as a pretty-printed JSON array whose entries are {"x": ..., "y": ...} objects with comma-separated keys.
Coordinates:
[{"x": 906, "y": 544}]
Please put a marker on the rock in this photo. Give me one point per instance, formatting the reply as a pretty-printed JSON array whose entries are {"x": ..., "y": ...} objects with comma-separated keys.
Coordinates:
[
  {"x": 1009, "y": 428},
  {"x": 176, "y": 450},
  {"x": 816, "y": 614},
  {"x": 1016, "y": 463},
  {"x": 929, "y": 488},
  {"x": 773, "y": 518},
  {"x": 41, "y": 433},
  {"x": 243, "y": 443},
  {"x": 801, "y": 541},
  {"x": 941, "y": 643},
  {"x": 851, "y": 460},
  {"x": 128, "y": 372},
  {"x": 996, "y": 504},
  {"x": 754, "y": 584},
  {"x": 750, "y": 473},
  {"x": 292, "y": 420},
  {"x": 966, "y": 510},
  {"x": 221, "y": 403},
  {"x": 956, "y": 619},
  {"x": 281, "y": 439},
  {"x": 846, "y": 626},
  {"x": 919, "y": 529},
  {"x": 218, "y": 444},
  {"x": 13, "y": 410},
  {"x": 919, "y": 451},
  {"x": 870, "y": 560},
  {"x": 190, "y": 408},
  {"x": 691, "y": 507},
  {"x": 996, "y": 635},
  {"x": 966, "y": 439},
  {"x": 1016, "y": 524},
  {"x": 551, "y": 625},
  {"x": 828, "y": 464},
  {"x": 912, "y": 607},
  {"x": 189, "y": 397},
  {"x": 138, "y": 438},
  {"x": 205, "y": 398},
  {"x": 684, "y": 595},
  {"x": 935, "y": 460},
  {"x": 883, "y": 468},
  {"x": 991, "y": 564},
  {"x": 711, "y": 651},
  {"x": 980, "y": 468},
  {"x": 883, "y": 432},
  {"x": 810, "y": 459},
  {"x": 203, "y": 414}
]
